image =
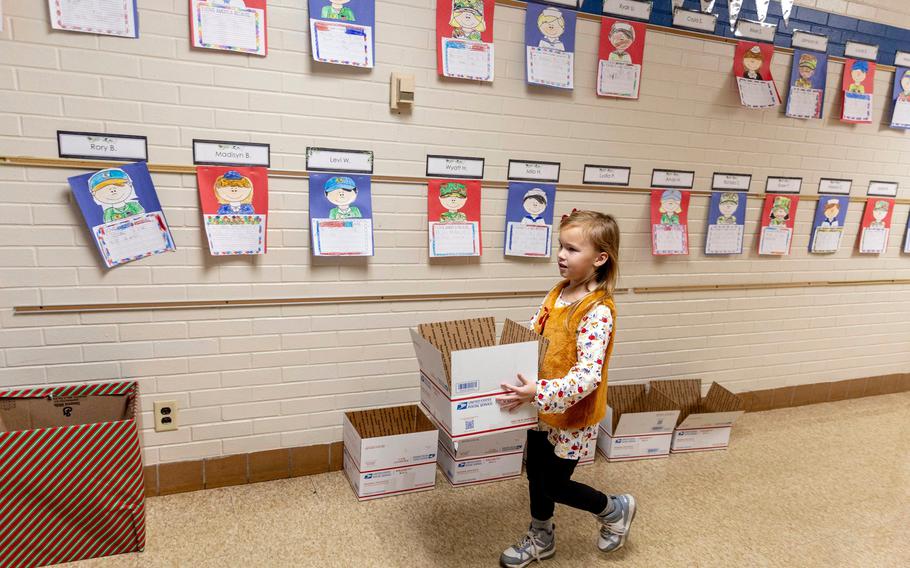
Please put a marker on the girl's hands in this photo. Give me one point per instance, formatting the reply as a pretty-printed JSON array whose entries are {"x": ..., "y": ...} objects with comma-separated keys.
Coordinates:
[{"x": 519, "y": 395}]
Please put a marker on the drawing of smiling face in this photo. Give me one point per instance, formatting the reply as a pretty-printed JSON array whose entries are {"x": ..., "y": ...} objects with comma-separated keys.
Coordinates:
[
  {"x": 879, "y": 214},
  {"x": 620, "y": 41},
  {"x": 341, "y": 197},
  {"x": 905, "y": 82},
  {"x": 453, "y": 201},
  {"x": 831, "y": 211},
  {"x": 806, "y": 73},
  {"x": 779, "y": 213},
  {"x": 670, "y": 206},
  {"x": 114, "y": 193},
  {"x": 233, "y": 193},
  {"x": 467, "y": 19},
  {"x": 858, "y": 76},
  {"x": 752, "y": 63},
  {"x": 534, "y": 206},
  {"x": 727, "y": 208},
  {"x": 552, "y": 28}
]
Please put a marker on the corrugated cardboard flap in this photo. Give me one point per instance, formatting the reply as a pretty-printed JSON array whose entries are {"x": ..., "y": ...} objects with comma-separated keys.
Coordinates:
[
  {"x": 448, "y": 336},
  {"x": 624, "y": 398},
  {"x": 720, "y": 399},
  {"x": 513, "y": 332},
  {"x": 685, "y": 393},
  {"x": 391, "y": 421}
]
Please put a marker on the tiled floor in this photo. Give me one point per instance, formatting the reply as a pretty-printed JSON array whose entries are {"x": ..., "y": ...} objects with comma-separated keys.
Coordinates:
[{"x": 824, "y": 485}]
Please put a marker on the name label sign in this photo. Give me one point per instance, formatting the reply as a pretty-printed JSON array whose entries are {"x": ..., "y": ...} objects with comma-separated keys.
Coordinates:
[
  {"x": 635, "y": 9},
  {"x": 734, "y": 182},
  {"x": 533, "y": 171},
  {"x": 331, "y": 159},
  {"x": 835, "y": 186},
  {"x": 882, "y": 188},
  {"x": 214, "y": 152},
  {"x": 672, "y": 178},
  {"x": 902, "y": 58},
  {"x": 108, "y": 146},
  {"x": 694, "y": 20},
  {"x": 454, "y": 166},
  {"x": 783, "y": 185},
  {"x": 859, "y": 50},
  {"x": 607, "y": 175},
  {"x": 755, "y": 30},
  {"x": 806, "y": 40}
]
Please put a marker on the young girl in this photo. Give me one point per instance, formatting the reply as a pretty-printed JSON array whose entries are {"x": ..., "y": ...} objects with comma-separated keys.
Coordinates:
[{"x": 571, "y": 396}]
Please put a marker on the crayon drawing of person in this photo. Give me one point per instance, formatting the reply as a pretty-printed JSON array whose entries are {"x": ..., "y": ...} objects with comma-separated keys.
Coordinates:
[
  {"x": 234, "y": 193},
  {"x": 534, "y": 203},
  {"x": 904, "y": 95},
  {"x": 729, "y": 202},
  {"x": 752, "y": 63},
  {"x": 467, "y": 19},
  {"x": 341, "y": 191},
  {"x": 551, "y": 24},
  {"x": 807, "y": 65},
  {"x": 622, "y": 35},
  {"x": 832, "y": 210},
  {"x": 112, "y": 189},
  {"x": 453, "y": 196},
  {"x": 670, "y": 207},
  {"x": 336, "y": 10},
  {"x": 858, "y": 72},
  {"x": 879, "y": 212},
  {"x": 780, "y": 211}
]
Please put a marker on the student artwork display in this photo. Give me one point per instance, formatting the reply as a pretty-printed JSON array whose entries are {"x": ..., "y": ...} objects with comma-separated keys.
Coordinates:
[
  {"x": 621, "y": 54},
  {"x": 464, "y": 38},
  {"x": 341, "y": 31},
  {"x": 229, "y": 25},
  {"x": 828, "y": 224},
  {"x": 858, "y": 85},
  {"x": 453, "y": 215},
  {"x": 235, "y": 205},
  {"x": 778, "y": 216},
  {"x": 550, "y": 46},
  {"x": 121, "y": 209},
  {"x": 807, "y": 84},
  {"x": 529, "y": 219},
  {"x": 876, "y": 225},
  {"x": 341, "y": 215},
  {"x": 106, "y": 17},
  {"x": 726, "y": 222},
  {"x": 669, "y": 222},
  {"x": 900, "y": 116},
  {"x": 907, "y": 238},
  {"x": 752, "y": 67}
]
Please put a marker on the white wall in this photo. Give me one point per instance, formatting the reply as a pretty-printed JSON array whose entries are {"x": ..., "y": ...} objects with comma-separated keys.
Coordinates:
[{"x": 248, "y": 379}]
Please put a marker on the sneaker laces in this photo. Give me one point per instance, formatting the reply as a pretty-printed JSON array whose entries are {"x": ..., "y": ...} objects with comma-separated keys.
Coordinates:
[
  {"x": 617, "y": 528},
  {"x": 533, "y": 540}
]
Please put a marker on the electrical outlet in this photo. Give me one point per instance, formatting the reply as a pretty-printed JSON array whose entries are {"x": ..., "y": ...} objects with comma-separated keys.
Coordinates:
[{"x": 165, "y": 415}]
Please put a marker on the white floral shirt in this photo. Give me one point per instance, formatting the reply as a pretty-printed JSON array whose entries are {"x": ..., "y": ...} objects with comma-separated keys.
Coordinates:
[{"x": 555, "y": 396}]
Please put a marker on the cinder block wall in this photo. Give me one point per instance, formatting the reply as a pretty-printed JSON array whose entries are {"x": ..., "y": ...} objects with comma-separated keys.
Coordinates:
[{"x": 251, "y": 379}]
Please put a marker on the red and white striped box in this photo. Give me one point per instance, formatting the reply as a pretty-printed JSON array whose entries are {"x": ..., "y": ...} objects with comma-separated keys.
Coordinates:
[{"x": 71, "y": 485}]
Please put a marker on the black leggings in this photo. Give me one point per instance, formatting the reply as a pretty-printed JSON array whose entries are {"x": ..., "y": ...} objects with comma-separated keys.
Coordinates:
[{"x": 549, "y": 481}]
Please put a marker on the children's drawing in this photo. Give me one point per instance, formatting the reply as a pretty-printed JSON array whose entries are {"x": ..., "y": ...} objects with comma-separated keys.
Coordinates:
[
  {"x": 778, "y": 216},
  {"x": 807, "y": 84},
  {"x": 550, "y": 46},
  {"x": 121, "y": 208},
  {"x": 341, "y": 214},
  {"x": 876, "y": 225},
  {"x": 464, "y": 38},
  {"x": 234, "y": 202},
  {"x": 453, "y": 213},
  {"x": 752, "y": 68},
  {"x": 621, "y": 55},
  {"x": 828, "y": 223},
  {"x": 342, "y": 31},
  {"x": 669, "y": 222},
  {"x": 726, "y": 221},
  {"x": 900, "y": 116},
  {"x": 529, "y": 219},
  {"x": 858, "y": 85}
]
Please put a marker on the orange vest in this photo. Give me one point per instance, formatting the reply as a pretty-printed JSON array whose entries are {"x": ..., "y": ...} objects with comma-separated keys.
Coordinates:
[{"x": 562, "y": 355}]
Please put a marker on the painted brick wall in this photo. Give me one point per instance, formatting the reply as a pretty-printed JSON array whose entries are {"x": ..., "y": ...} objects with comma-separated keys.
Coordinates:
[{"x": 250, "y": 379}]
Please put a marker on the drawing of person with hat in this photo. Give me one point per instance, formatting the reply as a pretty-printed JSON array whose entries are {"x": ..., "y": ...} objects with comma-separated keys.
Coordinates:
[
  {"x": 341, "y": 191},
  {"x": 729, "y": 203},
  {"x": 534, "y": 203},
  {"x": 467, "y": 19},
  {"x": 551, "y": 24},
  {"x": 780, "y": 211},
  {"x": 336, "y": 10},
  {"x": 858, "y": 72},
  {"x": 752, "y": 63},
  {"x": 670, "y": 207},
  {"x": 904, "y": 95},
  {"x": 234, "y": 193},
  {"x": 622, "y": 35},
  {"x": 879, "y": 212},
  {"x": 453, "y": 196},
  {"x": 832, "y": 210},
  {"x": 807, "y": 65},
  {"x": 113, "y": 190}
]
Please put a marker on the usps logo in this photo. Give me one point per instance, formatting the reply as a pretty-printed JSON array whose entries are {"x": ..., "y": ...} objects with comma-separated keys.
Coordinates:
[
  {"x": 461, "y": 465},
  {"x": 368, "y": 476},
  {"x": 461, "y": 406}
]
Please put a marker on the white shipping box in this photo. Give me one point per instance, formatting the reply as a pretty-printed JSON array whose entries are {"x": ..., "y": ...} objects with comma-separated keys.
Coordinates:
[
  {"x": 480, "y": 460},
  {"x": 704, "y": 424},
  {"x": 637, "y": 436},
  {"x": 703, "y": 432},
  {"x": 388, "y": 451}
]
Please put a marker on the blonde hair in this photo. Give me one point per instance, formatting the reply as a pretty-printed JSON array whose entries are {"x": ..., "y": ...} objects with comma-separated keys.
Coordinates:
[
  {"x": 547, "y": 18},
  {"x": 481, "y": 25},
  {"x": 602, "y": 232},
  {"x": 244, "y": 181}
]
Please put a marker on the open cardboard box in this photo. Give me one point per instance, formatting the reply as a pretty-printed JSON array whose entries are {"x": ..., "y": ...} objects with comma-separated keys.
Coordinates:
[
  {"x": 638, "y": 424},
  {"x": 494, "y": 457},
  {"x": 703, "y": 424},
  {"x": 462, "y": 369},
  {"x": 388, "y": 451}
]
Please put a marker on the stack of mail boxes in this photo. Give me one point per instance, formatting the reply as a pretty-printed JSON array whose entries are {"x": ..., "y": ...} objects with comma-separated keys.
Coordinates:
[
  {"x": 638, "y": 425},
  {"x": 462, "y": 369}
]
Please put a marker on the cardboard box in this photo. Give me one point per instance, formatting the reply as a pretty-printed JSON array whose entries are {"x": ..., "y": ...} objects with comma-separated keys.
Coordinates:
[
  {"x": 481, "y": 460},
  {"x": 703, "y": 425},
  {"x": 462, "y": 370},
  {"x": 389, "y": 451},
  {"x": 638, "y": 425},
  {"x": 72, "y": 462}
]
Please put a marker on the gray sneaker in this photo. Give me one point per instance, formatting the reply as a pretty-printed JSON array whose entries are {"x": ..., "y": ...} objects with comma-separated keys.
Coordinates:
[
  {"x": 536, "y": 545},
  {"x": 614, "y": 529}
]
